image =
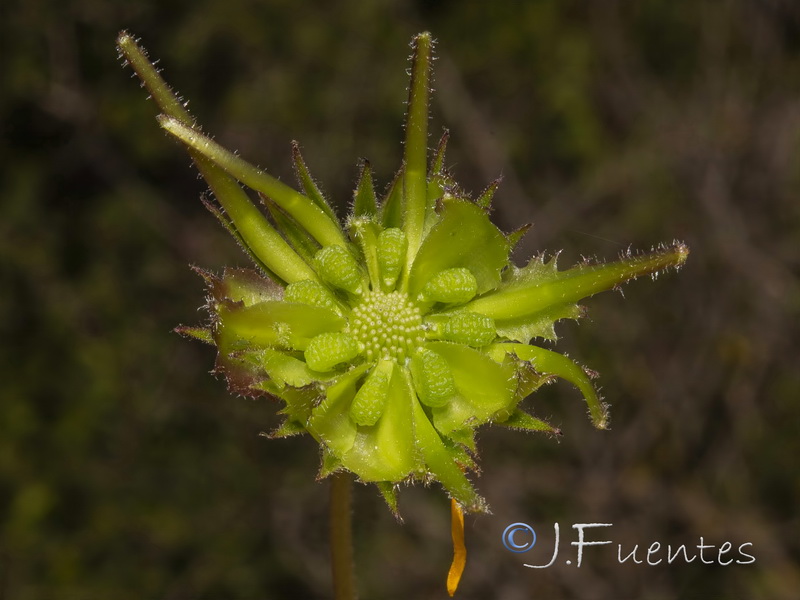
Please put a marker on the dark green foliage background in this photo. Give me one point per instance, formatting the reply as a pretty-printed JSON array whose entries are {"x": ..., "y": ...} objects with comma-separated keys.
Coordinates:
[{"x": 126, "y": 470}]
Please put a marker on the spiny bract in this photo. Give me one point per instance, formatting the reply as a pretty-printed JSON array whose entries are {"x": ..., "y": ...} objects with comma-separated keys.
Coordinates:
[{"x": 390, "y": 338}]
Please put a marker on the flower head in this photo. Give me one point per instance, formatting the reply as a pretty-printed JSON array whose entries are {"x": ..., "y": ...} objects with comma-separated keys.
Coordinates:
[{"x": 392, "y": 336}]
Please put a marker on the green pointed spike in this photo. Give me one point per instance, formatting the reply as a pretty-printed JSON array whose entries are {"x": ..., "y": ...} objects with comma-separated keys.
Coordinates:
[
  {"x": 388, "y": 491},
  {"x": 198, "y": 333},
  {"x": 308, "y": 184},
  {"x": 437, "y": 164},
  {"x": 485, "y": 199},
  {"x": 286, "y": 429},
  {"x": 465, "y": 437},
  {"x": 324, "y": 229},
  {"x": 330, "y": 464},
  {"x": 392, "y": 206},
  {"x": 515, "y": 237},
  {"x": 528, "y": 378},
  {"x": 365, "y": 204},
  {"x": 521, "y": 420},
  {"x": 439, "y": 181},
  {"x": 415, "y": 153},
  {"x": 459, "y": 453}
]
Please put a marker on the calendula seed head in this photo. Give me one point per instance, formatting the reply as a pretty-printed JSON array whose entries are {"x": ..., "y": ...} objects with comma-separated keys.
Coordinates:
[
  {"x": 392, "y": 338},
  {"x": 387, "y": 325}
]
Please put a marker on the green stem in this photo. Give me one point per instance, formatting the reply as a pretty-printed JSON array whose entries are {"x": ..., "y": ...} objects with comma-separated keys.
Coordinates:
[{"x": 341, "y": 521}]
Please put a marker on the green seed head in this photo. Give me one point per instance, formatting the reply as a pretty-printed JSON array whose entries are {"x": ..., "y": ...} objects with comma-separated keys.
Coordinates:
[
  {"x": 387, "y": 325},
  {"x": 390, "y": 339}
]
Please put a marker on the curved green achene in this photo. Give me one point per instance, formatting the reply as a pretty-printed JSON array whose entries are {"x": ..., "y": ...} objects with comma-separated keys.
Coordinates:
[
  {"x": 256, "y": 232},
  {"x": 469, "y": 329},
  {"x": 304, "y": 210},
  {"x": 553, "y": 363},
  {"x": 519, "y": 300},
  {"x": 415, "y": 155},
  {"x": 312, "y": 293}
]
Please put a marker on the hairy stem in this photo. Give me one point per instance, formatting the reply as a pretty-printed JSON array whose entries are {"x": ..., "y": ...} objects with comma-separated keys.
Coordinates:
[{"x": 341, "y": 522}]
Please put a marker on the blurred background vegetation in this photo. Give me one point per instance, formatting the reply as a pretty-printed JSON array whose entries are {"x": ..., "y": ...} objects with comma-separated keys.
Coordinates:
[{"x": 127, "y": 471}]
